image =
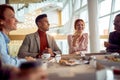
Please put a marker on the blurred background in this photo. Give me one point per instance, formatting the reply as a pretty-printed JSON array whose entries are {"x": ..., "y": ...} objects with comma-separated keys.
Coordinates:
[{"x": 97, "y": 14}]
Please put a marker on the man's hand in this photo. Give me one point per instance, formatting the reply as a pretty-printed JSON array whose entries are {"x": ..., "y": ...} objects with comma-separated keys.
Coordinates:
[
  {"x": 49, "y": 50},
  {"x": 106, "y": 44},
  {"x": 30, "y": 58}
]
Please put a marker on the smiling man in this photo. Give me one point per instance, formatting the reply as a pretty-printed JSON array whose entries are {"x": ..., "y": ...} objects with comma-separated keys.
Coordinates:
[
  {"x": 113, "y": 44},
  {"x": 40, "y": 42}
]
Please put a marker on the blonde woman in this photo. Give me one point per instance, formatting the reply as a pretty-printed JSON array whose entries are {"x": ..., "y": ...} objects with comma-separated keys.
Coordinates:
[{"x": 78, "y": 42}]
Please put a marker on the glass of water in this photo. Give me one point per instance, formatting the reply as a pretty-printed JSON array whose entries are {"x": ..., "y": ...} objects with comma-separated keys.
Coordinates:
[{"x": 58, "y": 58}]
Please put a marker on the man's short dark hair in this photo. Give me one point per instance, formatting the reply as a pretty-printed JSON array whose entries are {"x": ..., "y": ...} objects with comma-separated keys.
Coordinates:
[
  {"x": 30, "y": 65},
  {"x": 39, "y": 17},
  {"x": 118, "y": 15}
]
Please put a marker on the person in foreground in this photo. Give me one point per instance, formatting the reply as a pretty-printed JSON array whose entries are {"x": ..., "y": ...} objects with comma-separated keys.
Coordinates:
[
  {"x": 7, "y": 23},
  {"x": 33, "y": 70},
  {"x": 8, "y": 72},
  {"x": 78, "y": 42},
  {"x": 113, "y": 45},
  {"x": 40, "y": 42}
]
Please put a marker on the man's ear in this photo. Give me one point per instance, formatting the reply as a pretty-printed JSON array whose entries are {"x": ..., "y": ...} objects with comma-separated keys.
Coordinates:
[{"x": 39, "y": 23}]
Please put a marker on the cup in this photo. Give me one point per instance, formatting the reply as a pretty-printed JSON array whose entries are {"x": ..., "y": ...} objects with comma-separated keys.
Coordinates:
[
  {"x": 45, "y": 56},
  {"x": 44, "y": 65},
  {"x": 82, "y": 54},
  {"x": 58, "y": 58},
  {"x": 116, "y": 70}
]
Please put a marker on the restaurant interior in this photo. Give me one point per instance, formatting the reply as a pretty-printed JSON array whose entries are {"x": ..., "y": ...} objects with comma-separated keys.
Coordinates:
[
  {"x": 61, "y": 16},
  {"x": 98, "y": 16}
]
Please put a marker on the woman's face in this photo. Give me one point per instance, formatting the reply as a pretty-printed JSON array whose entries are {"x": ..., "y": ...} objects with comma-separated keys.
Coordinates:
[
  {"x": 9, "y": 22},
  {"x": 80, "y": 26}
]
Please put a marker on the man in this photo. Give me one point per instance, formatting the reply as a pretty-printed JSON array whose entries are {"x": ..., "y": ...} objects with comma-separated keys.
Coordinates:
[
  {"x": 114, "y": 38},
  {"x": 33, "y": 70},
  {"x": 40, "y": 42}
]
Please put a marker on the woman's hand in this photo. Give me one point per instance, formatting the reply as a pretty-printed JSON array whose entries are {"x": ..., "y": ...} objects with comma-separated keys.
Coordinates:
[{"x": 76, "y": 35}]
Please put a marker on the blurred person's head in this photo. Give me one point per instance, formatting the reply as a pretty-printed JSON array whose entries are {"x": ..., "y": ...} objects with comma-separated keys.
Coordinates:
[
  {"x": 42, "y": 22},
  {"x": 117, "y": 23},
  {"x": 8, "y": 21},
  {"x": 33, "y": 71},
  {"x": 9, "y": 73},
  {"x": 79, "y": 25}
]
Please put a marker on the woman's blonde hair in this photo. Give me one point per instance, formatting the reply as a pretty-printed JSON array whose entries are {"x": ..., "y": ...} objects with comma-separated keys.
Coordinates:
[{"x": 76, "y": 21}]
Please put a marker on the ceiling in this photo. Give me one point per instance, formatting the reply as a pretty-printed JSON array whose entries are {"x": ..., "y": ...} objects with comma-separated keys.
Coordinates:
[
  {"x": 29, "y": 1},
  {"x": 48, "y": 4},
  {"x": 24, "y": 1}
]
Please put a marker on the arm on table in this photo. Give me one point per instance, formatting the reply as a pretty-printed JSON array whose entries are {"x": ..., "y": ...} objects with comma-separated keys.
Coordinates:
[
  {"x": 55, "y": 49},
  {"x": 6, "y": 58}
]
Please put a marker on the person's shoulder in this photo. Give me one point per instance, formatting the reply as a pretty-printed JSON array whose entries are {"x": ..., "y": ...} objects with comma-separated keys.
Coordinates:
[
  {"x": 32, "y": 34},
  {"x": 113, "y": 33},
  {"x": 49, "y": 35},
  {"x": 85, "y": 34},
  {"x": 1, "y": 35},
  {"x": 70, "y": 35}
]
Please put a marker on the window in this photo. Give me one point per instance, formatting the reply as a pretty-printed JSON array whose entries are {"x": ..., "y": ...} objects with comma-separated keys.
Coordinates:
[
  {"x": 65, "y": 14},
  {"x": 117, "y": 5},
  {"x": 84, "y": 2},
  {"x": 84, "y": 15},
  {"x": 104, "y": 25},
  {"x": 112, "y": 24},
  {"x": 103, "y": 30},
  {"x": 77, "y": 4},
  {"x": 105, "y": 7}
]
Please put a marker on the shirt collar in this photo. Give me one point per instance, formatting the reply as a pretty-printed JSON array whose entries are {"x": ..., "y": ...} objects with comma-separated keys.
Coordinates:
[{"x": 7, "y": 40}]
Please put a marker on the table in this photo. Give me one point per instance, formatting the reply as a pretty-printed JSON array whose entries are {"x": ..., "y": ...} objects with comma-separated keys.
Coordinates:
[{"x": 77, "y": 72}]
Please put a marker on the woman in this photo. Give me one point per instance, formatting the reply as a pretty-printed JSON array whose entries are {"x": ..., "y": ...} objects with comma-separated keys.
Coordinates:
[
  {"x": 114, "y": 38},
  {"x": 8, "y": 23},
  {"x": 78, "y": 42}
]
